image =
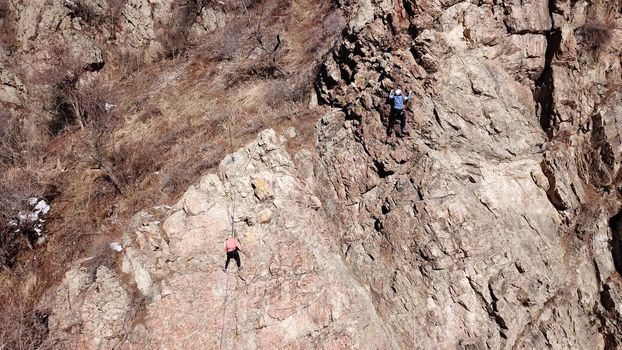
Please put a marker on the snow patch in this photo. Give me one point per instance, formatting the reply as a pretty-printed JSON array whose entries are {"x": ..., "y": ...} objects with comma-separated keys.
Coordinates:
[
  {"x": 116, "y": 246},
  {"x": 33, "y": 218}
]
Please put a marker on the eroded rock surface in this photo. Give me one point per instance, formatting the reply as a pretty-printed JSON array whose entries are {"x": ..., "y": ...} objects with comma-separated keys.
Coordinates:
[
  {"x": 294, "y": 290},
  {"x": 493, "y": 225},
  {"x": 494, "y": 216}
]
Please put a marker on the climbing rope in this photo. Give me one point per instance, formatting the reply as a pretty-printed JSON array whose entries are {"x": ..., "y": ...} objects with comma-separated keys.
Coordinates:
[
  {"x": 224, "y": 309},
  {"x": 232, "y": 192},
  {"x": 232, "y": 217}
]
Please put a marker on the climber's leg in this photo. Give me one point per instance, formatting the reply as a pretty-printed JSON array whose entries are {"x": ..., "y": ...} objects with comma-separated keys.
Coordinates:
[
  {"x": 229, "y": 257},
  {"x": 236, "y": 256},
  {"x": 402, "y": 122},
  {"x": 391, "y": 121}
]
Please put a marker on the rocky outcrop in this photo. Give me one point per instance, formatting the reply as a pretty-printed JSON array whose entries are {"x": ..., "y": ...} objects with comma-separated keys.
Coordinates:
[
  {"x": 495, "y": 223},
  {"x": 294, "y": 289},
  {"x": 91, "y": 310},
  {"x": 495, "y": 230},
  {"x": 45, "y": 26}
]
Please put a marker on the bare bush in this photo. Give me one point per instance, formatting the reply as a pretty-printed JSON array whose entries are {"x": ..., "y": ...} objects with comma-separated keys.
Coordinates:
[
  {"x": 99, "y": 153},
  {"x": 11, "y": 140},
  {"x": 8, "y": 40},
  {"x": 84, "y": 104},
  {"x": 22, "y": 327},
  {"x": 5, "y": 11},
  {"x": 86, "y": 12},
  {"x": 96, "y": 15},
  {"x": 174, "y": 41},
  {"x": 129, "y": 62},
  {"x": 137, "y": 161},
  {"x": 175, "y": 38},
  {"x": 225, "y": 42},
  {"x": 115, "y": 6},
  {"x": 16, "y": 188},
  {"x": 277, "y": 92},
  {"x": 594, "y": 35}
]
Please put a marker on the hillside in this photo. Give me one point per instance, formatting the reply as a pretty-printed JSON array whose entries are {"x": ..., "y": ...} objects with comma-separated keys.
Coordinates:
[{"x": 136, "y": 135}]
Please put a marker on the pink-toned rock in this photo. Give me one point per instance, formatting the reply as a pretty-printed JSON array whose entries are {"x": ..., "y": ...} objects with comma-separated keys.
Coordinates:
[{"x": 294, "y": 290}]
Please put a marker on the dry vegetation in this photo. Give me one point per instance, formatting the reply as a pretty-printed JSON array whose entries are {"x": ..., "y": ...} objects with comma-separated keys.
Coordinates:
[
  {"x": 167, "y": 123},
  {"x": 23, "y": 326},
  {"x": 601, "y": 23},
  {"x": 594, "y": 35},
  {"x": 7, "y": 28}
]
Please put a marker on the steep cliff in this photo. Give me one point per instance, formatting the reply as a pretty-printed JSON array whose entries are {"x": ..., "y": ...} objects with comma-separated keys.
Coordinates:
[
  {"x": 494, "y": 223},
  {"x": 294, "y": 290},
  {"x": 491, "y": 226}
]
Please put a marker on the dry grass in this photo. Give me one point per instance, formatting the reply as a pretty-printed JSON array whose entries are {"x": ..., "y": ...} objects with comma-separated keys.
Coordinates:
[
  {"x": 22, "y": 326},
  {"x": 170, "y": 126}
]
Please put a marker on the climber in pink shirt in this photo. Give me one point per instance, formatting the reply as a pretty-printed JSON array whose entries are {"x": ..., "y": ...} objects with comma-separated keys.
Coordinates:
[{"x": 232, "y": 246}]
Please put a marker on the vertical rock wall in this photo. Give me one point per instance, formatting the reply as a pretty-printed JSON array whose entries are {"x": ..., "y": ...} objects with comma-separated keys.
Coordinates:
[
  {"x": 489, "y": 226},
  {"x": 294, "y": 291}
]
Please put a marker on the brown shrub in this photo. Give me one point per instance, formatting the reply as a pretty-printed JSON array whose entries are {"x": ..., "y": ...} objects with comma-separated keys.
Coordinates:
[
  {"x": 594, "y": 35},
  {"x": 8, "y": 40},
  {"x": 86, "y": 12},
  {"x": 84, "y": 104},
  {"x": 138, "y": 160},
  {"x": 11, "y": 139},
  {"x": 16, "y": 187},
  {"x": 127, "y": 63},
  {"x": 175, "y": 37},
  {"x": 279, "y": 92},
  {"x": 90, "y": 15},
  {"x": 22, "y": 327},
  {"x": 4, "y": 10},
  {"x": 224, "y": 43},
  {"x": 116, "y": 6}
]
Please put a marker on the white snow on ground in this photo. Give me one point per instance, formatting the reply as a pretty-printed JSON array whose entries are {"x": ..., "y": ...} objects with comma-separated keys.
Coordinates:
[
  {"x": 42, "y": 207},
  {"x": 39, "y": 209},
  {"x": 116, "y": 246}
]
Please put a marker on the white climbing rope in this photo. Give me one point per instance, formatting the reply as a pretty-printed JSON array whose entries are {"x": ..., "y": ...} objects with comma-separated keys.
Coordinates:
[
  {"x": 224, "y": 309},
  {"x": 232, "y": 217}
]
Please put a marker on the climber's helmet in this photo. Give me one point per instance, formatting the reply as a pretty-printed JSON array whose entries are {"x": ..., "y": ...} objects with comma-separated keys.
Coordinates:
[{"x": 398, "y": 92}]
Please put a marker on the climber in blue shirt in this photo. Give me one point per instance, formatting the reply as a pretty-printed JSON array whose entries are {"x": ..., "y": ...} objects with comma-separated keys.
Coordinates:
[{"x": 397, "y": 111}]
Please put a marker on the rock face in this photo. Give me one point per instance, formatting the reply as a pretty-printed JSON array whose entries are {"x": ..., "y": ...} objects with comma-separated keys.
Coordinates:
[
  {"x": 66, "y": 36},
  {"x": 294, "y": 289},
  {"x": 495, "y": 224},
  {"x": 493, "y": 219}
]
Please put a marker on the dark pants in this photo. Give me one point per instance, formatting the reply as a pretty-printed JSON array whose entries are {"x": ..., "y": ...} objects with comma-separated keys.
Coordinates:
[
  {"x": 233, "y": 255},
  {"x": 396, "y": 114}
]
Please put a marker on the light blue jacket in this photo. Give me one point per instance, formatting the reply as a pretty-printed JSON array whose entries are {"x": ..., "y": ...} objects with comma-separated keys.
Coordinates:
[{"x": 398, "y": 100}]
